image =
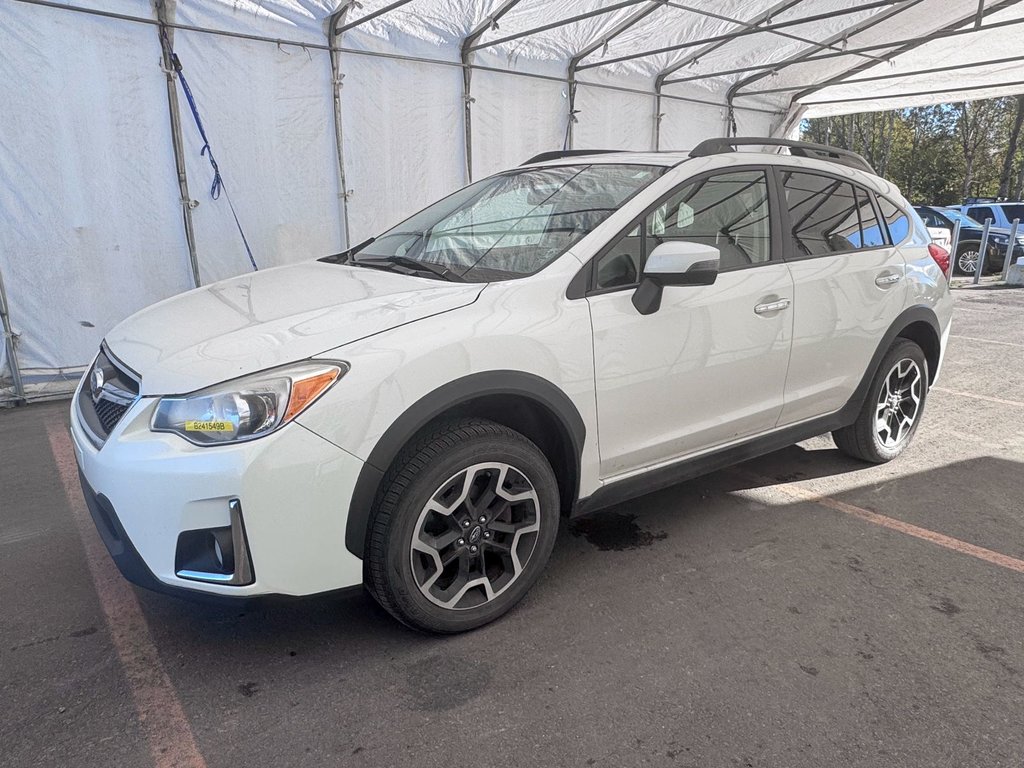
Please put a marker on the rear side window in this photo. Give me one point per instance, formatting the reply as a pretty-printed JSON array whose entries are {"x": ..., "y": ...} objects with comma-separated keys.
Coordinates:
[
  {"x": 870, "y": 227},
  {"x": 896, "y": 219},
  {"x": 982, "y": 213},
  {"x": 824, "y": 214},
  {"x": 930, "y": 218},
  {"x": 1013, "y": 212}
]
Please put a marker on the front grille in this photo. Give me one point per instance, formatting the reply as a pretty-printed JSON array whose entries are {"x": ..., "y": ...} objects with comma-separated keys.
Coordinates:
[
  {"x": 108, "y": 391},
  {"x": 109, "y": 413}
]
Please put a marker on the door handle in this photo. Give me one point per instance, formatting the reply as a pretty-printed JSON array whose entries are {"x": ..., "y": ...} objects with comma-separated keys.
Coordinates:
[
  {"x": 889, "y": 279},
  {"x": 771, "y": 306}
]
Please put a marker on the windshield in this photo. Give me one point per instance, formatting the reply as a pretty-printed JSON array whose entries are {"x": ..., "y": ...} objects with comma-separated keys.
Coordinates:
[
  {"x": 963, "y": 218},
  {"x": 512, "y": 224}
]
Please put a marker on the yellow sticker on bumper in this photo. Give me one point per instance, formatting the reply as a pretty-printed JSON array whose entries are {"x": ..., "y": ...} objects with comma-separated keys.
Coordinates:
[{"x": 209, "y": 426}]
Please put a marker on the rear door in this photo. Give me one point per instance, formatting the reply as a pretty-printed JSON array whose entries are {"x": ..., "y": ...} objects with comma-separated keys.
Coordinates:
[
  {"x": 849, "y": 286},
  {"x": 983, "y": 213}
]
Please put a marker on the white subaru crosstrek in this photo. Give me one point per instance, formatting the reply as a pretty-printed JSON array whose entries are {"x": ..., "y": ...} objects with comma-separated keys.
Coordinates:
[{"x": 415, "y": 414}]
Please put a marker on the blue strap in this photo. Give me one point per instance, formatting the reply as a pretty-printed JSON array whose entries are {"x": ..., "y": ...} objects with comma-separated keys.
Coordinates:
[{"x": 218, "y": 185}]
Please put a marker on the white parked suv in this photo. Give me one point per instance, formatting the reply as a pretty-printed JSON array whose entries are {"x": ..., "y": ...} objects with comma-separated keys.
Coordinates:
[{"x": 415, "y": 414}]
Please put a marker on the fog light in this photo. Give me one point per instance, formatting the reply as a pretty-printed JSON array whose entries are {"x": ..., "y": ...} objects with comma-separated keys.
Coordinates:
[{"x": 215, "y": 555}]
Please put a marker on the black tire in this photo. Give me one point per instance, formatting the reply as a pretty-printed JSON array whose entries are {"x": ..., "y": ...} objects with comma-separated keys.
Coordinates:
[
  {"x": 862, "y": 440},
  {"x": 432, "y": 462}
]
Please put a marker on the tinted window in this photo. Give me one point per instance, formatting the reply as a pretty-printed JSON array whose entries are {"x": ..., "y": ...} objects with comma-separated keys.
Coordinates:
[
  {"x": 931, "y": 218},
  {"x": 982, "y": 213},
  {"x": 728, "y": 211},
  {"x": 870, "y": 228},
  {"x": 1014, "y": 212},
  {"x": 897, "y": 221},
  {"x": 823, "y": 213}
]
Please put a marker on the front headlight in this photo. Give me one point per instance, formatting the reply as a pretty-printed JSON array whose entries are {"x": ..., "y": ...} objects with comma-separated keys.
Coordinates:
[{"x": 246, "y": 408}]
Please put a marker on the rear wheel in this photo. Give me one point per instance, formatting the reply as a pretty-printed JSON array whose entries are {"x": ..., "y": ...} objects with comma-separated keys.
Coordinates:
[
  {"x": 465, "y": 525},
  {"x": 893, "y": 409}
]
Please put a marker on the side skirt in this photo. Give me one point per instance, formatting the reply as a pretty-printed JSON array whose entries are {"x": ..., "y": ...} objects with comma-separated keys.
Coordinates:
[{"x": 687, "y": 469}]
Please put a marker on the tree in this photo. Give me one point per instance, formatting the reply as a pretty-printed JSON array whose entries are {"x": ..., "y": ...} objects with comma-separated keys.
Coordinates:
[
  {"x": 938, "y": 154},
  {"x": 1006, "y": 177}
]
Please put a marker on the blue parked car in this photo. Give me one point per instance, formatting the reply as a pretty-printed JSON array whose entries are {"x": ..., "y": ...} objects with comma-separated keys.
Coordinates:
[{"x": 1002, "y": 214}]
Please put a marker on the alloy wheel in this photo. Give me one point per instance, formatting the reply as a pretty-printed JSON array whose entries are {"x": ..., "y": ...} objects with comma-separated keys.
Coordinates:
[
  {"x": 967, "y": 261},
  {"x": 475, "y": 535},
  {"x": 899, "y": 403}
]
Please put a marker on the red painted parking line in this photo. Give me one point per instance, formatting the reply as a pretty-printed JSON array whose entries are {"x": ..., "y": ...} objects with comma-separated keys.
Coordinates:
[
  {"x": 941, "y": 539},
  {"x": 986, "y": 398},
  {"x": 161, "y": 715}
]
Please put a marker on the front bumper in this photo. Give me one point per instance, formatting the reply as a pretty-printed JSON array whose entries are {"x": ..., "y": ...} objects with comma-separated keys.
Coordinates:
[{"x": 144, "y": 489}]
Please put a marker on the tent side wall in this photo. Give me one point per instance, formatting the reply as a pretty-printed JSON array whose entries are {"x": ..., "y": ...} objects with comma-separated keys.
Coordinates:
[{"x": 91, "y": 224}]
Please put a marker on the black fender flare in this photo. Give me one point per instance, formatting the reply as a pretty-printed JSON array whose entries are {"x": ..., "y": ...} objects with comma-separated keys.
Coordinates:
[
  {"x": 429, "y": 407},
  {"x": 919, "y": 313}
]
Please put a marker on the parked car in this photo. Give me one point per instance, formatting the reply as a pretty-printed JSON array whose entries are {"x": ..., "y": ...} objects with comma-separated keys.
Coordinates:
[
  {"x": 941, "y": 236},
  {"x": 416, "y": 413},
  {"x": 965, "y": 260},
  {"x": 1001, "y": 214}
]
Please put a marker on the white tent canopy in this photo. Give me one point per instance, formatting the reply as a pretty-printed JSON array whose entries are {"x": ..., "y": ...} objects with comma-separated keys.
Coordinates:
[{"x": 331, "y": 121}]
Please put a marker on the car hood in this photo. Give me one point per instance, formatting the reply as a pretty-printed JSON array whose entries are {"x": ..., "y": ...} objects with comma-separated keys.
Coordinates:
[{"x": 270, "y": 318}]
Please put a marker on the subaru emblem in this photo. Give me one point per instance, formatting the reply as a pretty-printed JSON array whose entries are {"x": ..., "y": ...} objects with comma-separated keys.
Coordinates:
[{"x": 96, "y": 382}]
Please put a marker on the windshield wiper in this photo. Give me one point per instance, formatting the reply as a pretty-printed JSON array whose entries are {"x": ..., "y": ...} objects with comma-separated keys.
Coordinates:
[{"x": 416, "y": 265}]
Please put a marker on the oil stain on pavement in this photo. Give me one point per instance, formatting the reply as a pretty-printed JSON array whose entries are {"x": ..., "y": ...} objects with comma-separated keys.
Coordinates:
[{"x": 614, "y": 531}]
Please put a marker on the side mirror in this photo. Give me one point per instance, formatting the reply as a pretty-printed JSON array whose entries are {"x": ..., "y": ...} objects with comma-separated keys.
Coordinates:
[{"x": 677, "y": 262}]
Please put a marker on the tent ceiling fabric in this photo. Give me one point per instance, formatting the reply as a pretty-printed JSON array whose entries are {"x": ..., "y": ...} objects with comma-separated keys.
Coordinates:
[{"x": 317, "y": 153}]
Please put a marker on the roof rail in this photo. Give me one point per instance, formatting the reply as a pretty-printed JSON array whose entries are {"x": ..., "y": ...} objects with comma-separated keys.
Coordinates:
[
  {"x": 558, "y": 154},
  {"x": 798, "y": 148}
]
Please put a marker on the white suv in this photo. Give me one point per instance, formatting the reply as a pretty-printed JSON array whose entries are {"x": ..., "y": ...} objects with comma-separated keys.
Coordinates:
[{"x": 415, "y": 414}]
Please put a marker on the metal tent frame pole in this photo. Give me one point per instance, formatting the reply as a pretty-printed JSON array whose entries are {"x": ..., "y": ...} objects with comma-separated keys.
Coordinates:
[
  {"x": 9, "y": 336},
  {"x": 891, "y": 76},
  {"x": 574, "y": 63},
  {"x": 333, "y": 21},
  {"x": 556, "y": 24},
  {"x": 336, "y": 27},
  {"x": 466, "y": 48},
  {"x": 839, "y": 37},
  {"x": 662, "y": 77},
  {"x": 852, "y": 71},
  {"x": 729, "y": 36},
  {"x": 166, "y": 31},
  {"x": 778, "y": 65},
  {"x": 756, "y": 27}
]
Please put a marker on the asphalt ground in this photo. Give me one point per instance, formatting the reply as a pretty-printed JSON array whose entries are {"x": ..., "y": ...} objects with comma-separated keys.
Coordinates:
[{"x": 802, "y": 609}]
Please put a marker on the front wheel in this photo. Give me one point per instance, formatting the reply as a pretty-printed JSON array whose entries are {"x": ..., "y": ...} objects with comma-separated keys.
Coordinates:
[
  {"x": 893, "y": 409},
  {"x": 464, "y": 527}
]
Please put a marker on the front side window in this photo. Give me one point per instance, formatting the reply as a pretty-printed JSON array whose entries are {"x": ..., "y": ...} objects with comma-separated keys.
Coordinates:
[
  {"x": 509, "y": 225},
  {"x": 728, "y": 211}
]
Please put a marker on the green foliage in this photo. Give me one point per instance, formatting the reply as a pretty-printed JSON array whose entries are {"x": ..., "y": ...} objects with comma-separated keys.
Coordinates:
[{"x": 938, "y": 154}]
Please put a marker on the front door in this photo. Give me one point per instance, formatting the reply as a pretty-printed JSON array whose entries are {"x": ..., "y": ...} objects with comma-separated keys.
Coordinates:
[{"x": 709, "y": 366}]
